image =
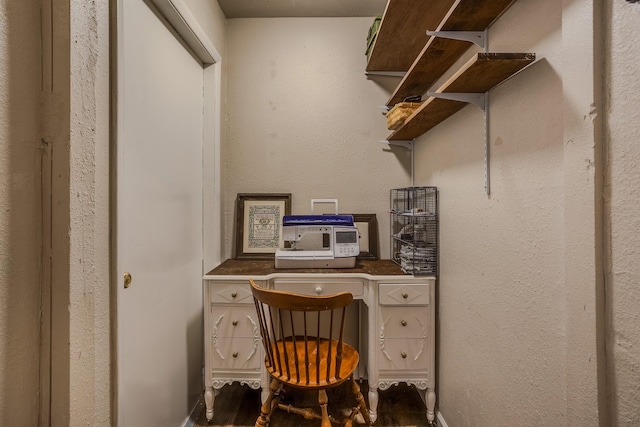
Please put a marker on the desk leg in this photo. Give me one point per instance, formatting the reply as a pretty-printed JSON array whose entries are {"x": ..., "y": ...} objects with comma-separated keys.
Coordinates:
[
  {"x": 430, "y": 398},
  {"x": 373, "y": 404},
  {"x": 209, "y": 397},
  {"x": 265, "y": 382}
]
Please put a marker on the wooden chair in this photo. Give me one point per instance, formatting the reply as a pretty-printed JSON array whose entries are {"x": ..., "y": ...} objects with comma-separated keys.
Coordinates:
[{"x": 304, "y": 349}]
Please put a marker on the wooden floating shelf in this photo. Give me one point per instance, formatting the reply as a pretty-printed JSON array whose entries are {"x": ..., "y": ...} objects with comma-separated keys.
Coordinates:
[
  {"x": 481, "y": 73},
  {"x": 438, "y": 54},
  {"x": 402, "y": 33}
]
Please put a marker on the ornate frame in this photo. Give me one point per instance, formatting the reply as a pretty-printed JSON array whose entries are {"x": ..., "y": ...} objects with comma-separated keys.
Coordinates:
[{"x": 260, "y": 241}]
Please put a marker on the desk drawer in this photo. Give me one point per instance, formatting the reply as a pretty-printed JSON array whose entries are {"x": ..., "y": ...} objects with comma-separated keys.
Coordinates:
[
  {"x": 403, "y": 294},
  {"x": 320, "y": 287},
  {"x": 230, "y": 293},
  {"x": 404, "y": 322},
  {"x": 404, "y": 354},
  {"x": 235, "y": 353},
  {"x": 234, "y": 321}
]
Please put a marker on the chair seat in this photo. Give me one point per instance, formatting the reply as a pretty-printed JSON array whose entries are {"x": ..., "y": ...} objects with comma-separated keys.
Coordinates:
[{"x": 307, "y": 377}]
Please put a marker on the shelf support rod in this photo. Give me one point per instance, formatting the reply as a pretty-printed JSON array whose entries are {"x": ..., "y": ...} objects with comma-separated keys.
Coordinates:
[
  {"x": 477, "y": 99},
  {"x": 487, "y": 181},
  {"x": 476, "y": 37},
  {"x": 408, "y": 144}
]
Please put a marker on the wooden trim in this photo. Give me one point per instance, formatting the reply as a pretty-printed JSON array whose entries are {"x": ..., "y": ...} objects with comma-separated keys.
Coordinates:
[{"x": 186, "y": 25}]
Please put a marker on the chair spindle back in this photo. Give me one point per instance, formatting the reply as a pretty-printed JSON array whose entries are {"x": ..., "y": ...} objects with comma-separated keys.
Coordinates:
[{"x": 305, "y": 328}]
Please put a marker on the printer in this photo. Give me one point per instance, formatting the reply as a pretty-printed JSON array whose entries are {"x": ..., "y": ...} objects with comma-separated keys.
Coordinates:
[{"x": 318, "y": 241}]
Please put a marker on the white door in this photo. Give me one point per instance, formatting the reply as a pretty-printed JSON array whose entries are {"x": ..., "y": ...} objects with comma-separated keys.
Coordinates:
[{"x": 159, "y": 221}]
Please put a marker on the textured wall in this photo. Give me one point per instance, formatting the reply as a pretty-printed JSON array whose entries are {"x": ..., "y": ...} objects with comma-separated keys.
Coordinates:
[
  {"x": 514, "y": 346},
  {"x": 622, "y": 196},
  {"x": 20, "y": 211},
  {"x": 302, "y": 118},
  {"x": 89, "y": 310}
]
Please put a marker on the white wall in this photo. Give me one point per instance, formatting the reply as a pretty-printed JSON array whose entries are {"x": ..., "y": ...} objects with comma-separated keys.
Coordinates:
[
  {"x": 20, "y": 211},
  {"x": 528, "y": 271},
  {"x": 302, "y": 118},
  {"x": 502, "y": 334},
  {"x": 213, "y": 22},
  {"x": 521, "y": 291},
  {"x": 622, "y": 204}
]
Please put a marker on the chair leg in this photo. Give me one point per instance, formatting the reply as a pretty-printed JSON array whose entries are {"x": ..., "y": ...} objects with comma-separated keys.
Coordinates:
[
  {"x": 265, "y": 409},
  {"x": 323, "y": 400},
  {"x": 362, "y": 406}
]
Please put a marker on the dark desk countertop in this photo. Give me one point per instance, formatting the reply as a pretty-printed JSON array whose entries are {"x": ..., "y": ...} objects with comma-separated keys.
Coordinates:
[{"x": 242, "y": 267}]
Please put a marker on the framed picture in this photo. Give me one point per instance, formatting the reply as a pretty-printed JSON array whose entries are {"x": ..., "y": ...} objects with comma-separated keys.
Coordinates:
[
  {"x": 259, "y": 223},
  {"x": 367, "y": 225}
]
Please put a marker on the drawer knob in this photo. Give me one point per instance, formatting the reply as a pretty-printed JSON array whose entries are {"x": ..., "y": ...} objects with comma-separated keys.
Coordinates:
[
  {"x": 235, "y": 354},
  {"x": 318, "y": 290},
  {"x": 234, "y": 294},
  {"x": 404, "y": 355},
  {"x": 403, "y": 323},
  {"x": 234, "y": 323},
  {"x": 405, "y": 295}
]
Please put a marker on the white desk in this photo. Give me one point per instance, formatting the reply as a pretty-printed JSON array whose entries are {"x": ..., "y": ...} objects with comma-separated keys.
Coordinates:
[{"x": 394, "y": 324}]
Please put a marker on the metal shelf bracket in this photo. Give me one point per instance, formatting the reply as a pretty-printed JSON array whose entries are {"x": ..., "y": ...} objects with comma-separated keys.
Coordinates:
[
  {"x": 408, "y": 144},
  {"x": 476, "y": 37},
  {"x": 477, "y": 99}
]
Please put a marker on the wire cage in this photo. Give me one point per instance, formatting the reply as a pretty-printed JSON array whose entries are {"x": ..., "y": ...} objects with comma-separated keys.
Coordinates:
[{"x": 414, "y": 229}]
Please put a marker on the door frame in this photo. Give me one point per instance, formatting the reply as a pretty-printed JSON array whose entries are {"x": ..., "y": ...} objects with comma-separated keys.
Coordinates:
[
  {"x": 178, "y": 15},
  {"x": 179, "y": 19}
]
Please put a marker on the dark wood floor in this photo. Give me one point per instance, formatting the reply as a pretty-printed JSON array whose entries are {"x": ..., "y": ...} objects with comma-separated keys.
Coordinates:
[{"x": 400, "y": 406}]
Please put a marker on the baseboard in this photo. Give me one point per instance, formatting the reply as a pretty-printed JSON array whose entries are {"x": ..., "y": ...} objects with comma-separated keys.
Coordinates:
[
  {"x": 441, "y": 421},
  {"x": 195, "y": 413}
]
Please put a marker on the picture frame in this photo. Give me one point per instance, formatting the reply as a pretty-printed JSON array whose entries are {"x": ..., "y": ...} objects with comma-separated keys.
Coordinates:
[
  {"x": 259, "y": 224},
  {"x": 367, "y": 225}
]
